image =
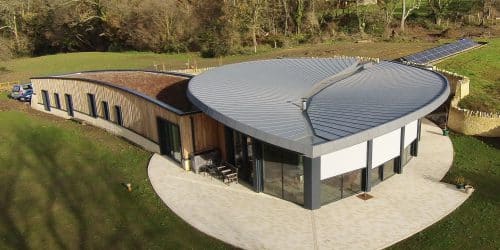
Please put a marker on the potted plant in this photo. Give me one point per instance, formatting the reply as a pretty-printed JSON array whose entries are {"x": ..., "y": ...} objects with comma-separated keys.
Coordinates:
[
  {"x": 460, "y": 182},
  {"x": 446, "y": 132}
]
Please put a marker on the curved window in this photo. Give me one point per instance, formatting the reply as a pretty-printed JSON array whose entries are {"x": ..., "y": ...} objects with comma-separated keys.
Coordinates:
[
  {"x": 341, "y": 186},
  {"x": 407, "y": 154}
]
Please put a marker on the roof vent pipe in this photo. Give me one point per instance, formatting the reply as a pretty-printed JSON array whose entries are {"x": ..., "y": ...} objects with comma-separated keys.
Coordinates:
[{"x": 304, "y": 104}]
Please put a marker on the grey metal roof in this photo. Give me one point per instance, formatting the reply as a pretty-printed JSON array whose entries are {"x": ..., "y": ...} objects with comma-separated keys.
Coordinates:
[{"x": 348, "y": 101}]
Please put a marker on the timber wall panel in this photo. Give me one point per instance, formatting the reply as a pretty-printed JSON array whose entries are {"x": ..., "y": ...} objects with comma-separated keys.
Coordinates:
[
  {"x": 206, "y": 134},
  {"x": 139, "y": 115}
]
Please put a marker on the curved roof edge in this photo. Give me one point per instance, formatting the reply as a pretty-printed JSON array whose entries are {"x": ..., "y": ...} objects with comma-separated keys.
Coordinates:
[
  {"x": 125, "y": 89},
  {"x": 255, "y": 133},
  {"x": 327, "y": 147}
]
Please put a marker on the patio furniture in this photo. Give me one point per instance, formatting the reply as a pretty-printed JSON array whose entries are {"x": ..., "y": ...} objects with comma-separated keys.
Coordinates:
[{"x": 201, "y": 160}]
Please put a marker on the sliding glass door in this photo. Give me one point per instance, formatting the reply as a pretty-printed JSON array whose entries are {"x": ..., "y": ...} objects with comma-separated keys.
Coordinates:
[
  {"x": 340, "y": 186},
  {"x": 283, "y": 174},
  {"x": 243, "y": 156},
  {"x": 169, "y": 139}
]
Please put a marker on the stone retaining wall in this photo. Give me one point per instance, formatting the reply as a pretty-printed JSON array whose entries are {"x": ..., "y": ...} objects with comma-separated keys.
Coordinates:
[{"x": 466, "y": 121}]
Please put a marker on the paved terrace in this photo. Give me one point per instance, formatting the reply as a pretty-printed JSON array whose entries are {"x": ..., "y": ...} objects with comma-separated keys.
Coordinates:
[{"x": 402, "y": 206}]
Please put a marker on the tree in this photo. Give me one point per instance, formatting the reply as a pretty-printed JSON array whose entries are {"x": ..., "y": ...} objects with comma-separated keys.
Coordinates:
[
  {"x": 299, "y": 14},
  {"x": 256, "y": 10},
  {"x": 439, "y": 9},
  {"x": 415, "y": 4},
  {"x": 10, "y": 14},
  {"x": 388, "y": 8},
  {"x": 286, "y": 15},
  {"x": 213, "y": 35},
  {"x": 361, "y": 15}
]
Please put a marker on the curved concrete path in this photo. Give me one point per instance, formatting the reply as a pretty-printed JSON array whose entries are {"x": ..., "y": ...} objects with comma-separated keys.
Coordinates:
[{"x": 402, "y": 206}]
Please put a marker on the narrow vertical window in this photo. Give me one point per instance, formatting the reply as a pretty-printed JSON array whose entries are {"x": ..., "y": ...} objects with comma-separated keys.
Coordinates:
[
  {"x": 118, "y": 115},
  {"x": 57, "y": 101},
  {"x": 105, "y": 110},
  {"x": 46, "y": 100},
  {"x": 69, "y": 104},
  {"x": 92, "y": 106}
]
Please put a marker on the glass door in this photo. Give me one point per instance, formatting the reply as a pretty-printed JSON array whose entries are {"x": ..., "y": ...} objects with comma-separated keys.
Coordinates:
[
  {"x": 169, "y": 139},
  {"x": 283, "y": 174},
  {"x": 243, "y": 156}
]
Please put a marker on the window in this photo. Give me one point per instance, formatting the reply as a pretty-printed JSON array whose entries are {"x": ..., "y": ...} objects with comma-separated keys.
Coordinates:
[
  {"x": 169, "y": 139},
  {"x": 105, "y": 110},
  {"x": 331, "y": 189},
  {"x": 341, "y": 186},
  {"x": 283, "y": 174},
  {"x": 388, "y": 169},
  {"x": 118, "y": 115},
  {"x": 46, "y": 100},
  {"x": 92, "y": 107},
  {"x": 57, "y": 101},
  {"x": 69, "y": 104},
  {"x": 376, "y": 175},
  {"x": 407, "y": 154},
  {"x": 351, "y": 183},
  {"x": 382, "y": 172}
]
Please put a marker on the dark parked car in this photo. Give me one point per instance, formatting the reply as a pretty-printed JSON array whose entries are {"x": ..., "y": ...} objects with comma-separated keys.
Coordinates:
[{"x": 22, "y": 92}]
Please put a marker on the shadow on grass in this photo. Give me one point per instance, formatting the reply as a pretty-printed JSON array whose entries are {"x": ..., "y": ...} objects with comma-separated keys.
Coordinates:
[
  {"x": 62, "y": 191},
  {"x": 491, "y": 141}
]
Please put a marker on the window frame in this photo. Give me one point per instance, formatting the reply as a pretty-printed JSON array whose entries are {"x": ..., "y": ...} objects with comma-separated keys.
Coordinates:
[
  {"x": 69, "y": 105},
  {"x": 92, "y": 105},
  {"x": 46, "y": 99},
  {"x": 105, "y": 110},
  {"x": 57, "y": 101},
  {"x": 118, "y": 115}
]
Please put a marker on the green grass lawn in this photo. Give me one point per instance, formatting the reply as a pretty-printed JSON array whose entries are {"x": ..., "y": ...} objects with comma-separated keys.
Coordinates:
[
  {"x": 60, "y": 182},
  {"x": 475, "y": 224},
  {"x": 482, "y": 66},
  {"x": 60, "y": 188},
  {"x": 23, "y": 68}
]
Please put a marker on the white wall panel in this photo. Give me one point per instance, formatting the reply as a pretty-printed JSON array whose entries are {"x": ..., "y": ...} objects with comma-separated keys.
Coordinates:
[
  {"x": 410, "y": 132},
  {"x": 386, "y": 147},
  {"x": 343, "y": 161}
]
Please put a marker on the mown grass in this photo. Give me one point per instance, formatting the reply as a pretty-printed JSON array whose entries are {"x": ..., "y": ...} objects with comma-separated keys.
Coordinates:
[
  {"x": 60, "y": 188},
  {"x": 4, "y": 95},
  {"x": 475, "y": 224},
  {"x": 482, "y": 66},
  {"x": 23, "y": 68},
  {"x": 60, "y": 182}
]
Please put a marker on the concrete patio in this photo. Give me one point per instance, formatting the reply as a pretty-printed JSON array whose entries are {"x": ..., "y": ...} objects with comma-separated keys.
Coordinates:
[{"x": 402, "y": 206}]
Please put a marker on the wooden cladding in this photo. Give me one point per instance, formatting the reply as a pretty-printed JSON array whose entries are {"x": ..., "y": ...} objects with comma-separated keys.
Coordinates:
[{"x": 197, "y": 131}]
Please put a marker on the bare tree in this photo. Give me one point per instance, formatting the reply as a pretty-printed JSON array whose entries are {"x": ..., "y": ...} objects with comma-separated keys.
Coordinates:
[
  {"x": 388, "y": 7},
  {"x": 287, "y": 16},
  {"x": 413, "y": 5},
  {"x": 256, "y": 6}
]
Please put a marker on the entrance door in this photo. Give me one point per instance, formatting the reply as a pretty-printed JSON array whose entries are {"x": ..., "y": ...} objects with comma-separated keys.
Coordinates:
[
  {"x": 243, "y": 156},
  {"x": 169, "y": 139}
]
